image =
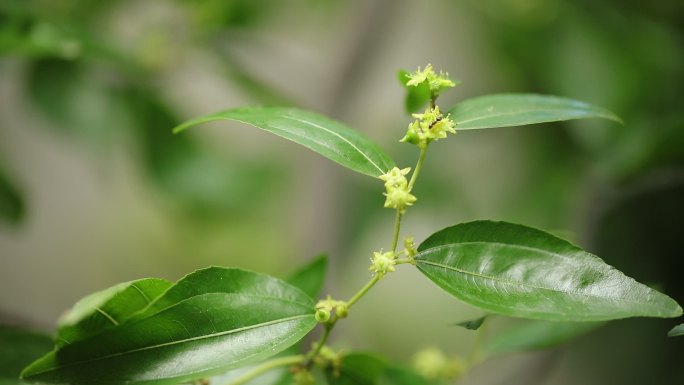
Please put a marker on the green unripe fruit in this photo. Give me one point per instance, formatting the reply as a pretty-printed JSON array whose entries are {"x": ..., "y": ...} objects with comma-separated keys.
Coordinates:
[
  {"x": 322, "y": 315},
  {"x": 342, "y": 310}
]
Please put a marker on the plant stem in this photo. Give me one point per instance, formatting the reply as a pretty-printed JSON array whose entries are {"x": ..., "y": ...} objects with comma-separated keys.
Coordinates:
[
  {"x": 397, "y": 227},
  {"x": 419, "y": 165},
  {"x": 319, "y": 345},
  {"x": 395, "y": 241},
  {"x": 265, "y": 367},
  {"x": 401, "y": 261},
  {"x": 363, "y": 290}
]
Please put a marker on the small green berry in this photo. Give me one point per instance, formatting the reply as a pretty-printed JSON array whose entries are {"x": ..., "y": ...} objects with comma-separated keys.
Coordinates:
[
  {"x": 342, "y": 310},
  {"x": 322, "y": 315}
]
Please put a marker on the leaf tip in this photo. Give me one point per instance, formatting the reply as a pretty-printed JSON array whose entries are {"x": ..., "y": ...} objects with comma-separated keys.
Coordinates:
[
  {"x": 676, "y": 331},
  {"x": 179, "y": 128}
]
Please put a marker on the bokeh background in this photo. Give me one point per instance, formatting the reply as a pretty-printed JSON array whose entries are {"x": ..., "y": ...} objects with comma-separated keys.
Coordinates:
[{"x": 95, "y": 190}]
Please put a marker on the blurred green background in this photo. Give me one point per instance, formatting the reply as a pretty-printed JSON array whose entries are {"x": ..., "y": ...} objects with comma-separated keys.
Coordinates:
[{"x": 95, "y": 190}]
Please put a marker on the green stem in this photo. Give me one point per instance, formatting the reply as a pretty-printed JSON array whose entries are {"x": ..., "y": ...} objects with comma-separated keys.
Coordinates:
[
  {"x": 265, "y": 367},
  {"x": 397, "y": 227},
  {"x": 363, "y": 290},
  {"x": 401, "y": 261},
  {"x": 419, "y": 166},
  {"x": 319, "y": 345}
]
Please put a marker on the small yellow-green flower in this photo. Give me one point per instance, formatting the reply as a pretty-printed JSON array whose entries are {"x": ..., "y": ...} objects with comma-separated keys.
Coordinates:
[
  {"x": 410, "y": 247},
  {"x": 399, "y": 198},
  {"x": 428, "y": 126},
  {"x": 436, "y": 82},
  {"x": 382, "y": 263},
  {"x": 325, "y": 307},
  {"x": 396, "y": 177}
]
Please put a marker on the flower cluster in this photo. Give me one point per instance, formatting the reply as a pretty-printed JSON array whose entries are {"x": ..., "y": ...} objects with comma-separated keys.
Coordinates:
[
  {"x": 436, "y": 82},
  {"x": 325, "y": 308},
  {"x": 398, "y": 195},
  {"x": 328, "y": 358},
  {"x": 428, "y": 126},
  {"x": 382, "y": 263},
  {"x": 410, "y": 247}
]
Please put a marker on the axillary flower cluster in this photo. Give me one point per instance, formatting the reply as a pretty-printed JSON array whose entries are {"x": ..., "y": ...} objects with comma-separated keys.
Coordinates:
[{"x": 427, "y": 127}]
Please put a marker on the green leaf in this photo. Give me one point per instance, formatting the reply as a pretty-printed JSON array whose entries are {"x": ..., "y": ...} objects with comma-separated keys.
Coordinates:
[
  {"x": 107, "y": 308},
  {"x": 358, "y": 369},
  {"x": 11, "y": 201},
  {"x": 211, "y": 321},
  {"x": 18, "y": 347},
  {"x": 310, "y": 277},
  {"x": 323, "y": 135},
  {"x": 535, "y": 335},
  {"x": 519, "y": 271},
  {"x": 225, "y": 280},
  {"x": 472, "y": 324},
  {"x": 676, "y": 331},
  {"x": 503, "y": 110},
  {"x": 369, "y": 369},
  {"x": 416, "y": 97}
]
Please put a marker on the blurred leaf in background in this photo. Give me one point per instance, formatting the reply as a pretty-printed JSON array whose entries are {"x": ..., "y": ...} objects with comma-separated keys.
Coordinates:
[
  {"x": 12, "y": 206},
  {"x": 18, "y": 348}
]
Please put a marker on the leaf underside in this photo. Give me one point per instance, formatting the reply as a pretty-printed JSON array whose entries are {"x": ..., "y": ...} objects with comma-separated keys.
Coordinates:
[
  {"x": 108, "y": 308},
  {"x": 323, "y": 135},
  {"x": 503, "y": 110},
  {"x": 519, "y": 271}
]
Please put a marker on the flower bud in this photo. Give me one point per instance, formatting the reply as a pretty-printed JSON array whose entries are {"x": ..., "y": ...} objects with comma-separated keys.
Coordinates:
[
  {"x": 342, "y": 310},
  {"x": 322, "y": 315}
]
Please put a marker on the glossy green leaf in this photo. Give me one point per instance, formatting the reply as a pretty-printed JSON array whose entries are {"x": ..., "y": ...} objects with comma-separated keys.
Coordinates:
[
  {"x": 416, "y": 97},
  {"x": 323, "y": 135},
  {"x": 225, "y": 280},
  {"x": 310, "y": 277},
  {"x": 676, "y": 331},
  {"x": 535, "y": 335},
  {"x": 211, "y": 321},
  {"x": 107, "y": 308},
  {"x": 503, "y": 110},
  {"x": 11, "y": 201},
  {"x": 18, "y": 347},
  {"x": 519, "y": 271},
  {"x": 472, "y": 324}
]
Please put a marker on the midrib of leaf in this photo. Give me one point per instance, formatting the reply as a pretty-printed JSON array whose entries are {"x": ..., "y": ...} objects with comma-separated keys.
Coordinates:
[
  {"x": 341, "y": 137},
  {"x": 517, "y": 112},
  {"x": 522, "y": 284},
  {"x": 186, "y": 340}
]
